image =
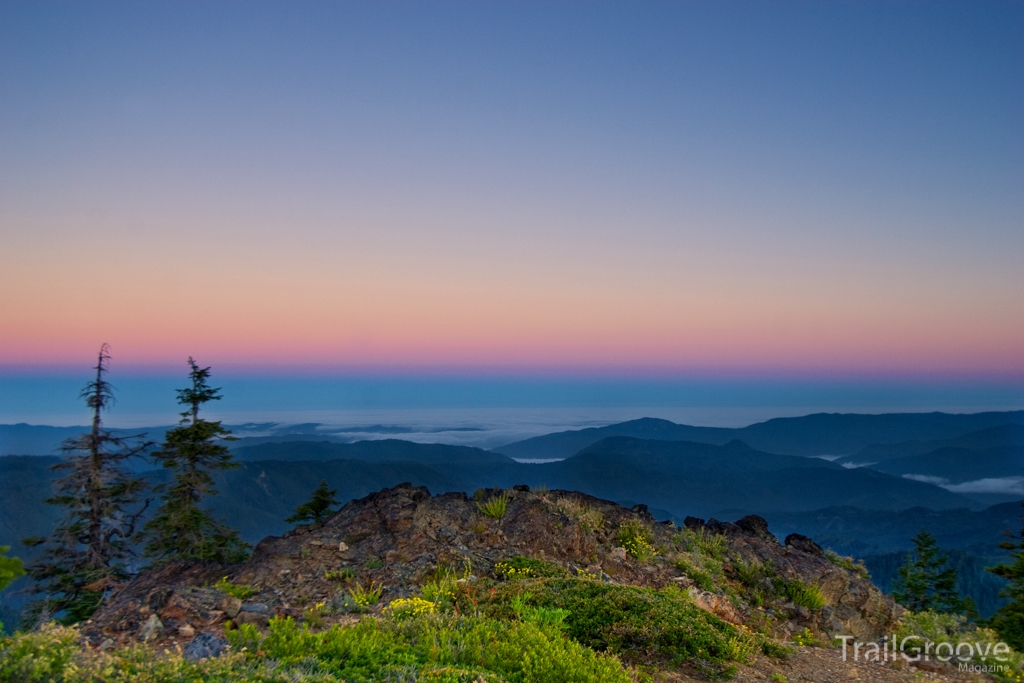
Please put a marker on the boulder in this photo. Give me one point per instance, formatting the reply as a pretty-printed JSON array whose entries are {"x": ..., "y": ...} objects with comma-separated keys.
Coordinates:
[
  {"x": 255, "y": 618},
  {"x": 204, "y": 646},
  {"x": 756, "y": 526},
  {"x": 804, "y": 544},
  {"x": 230, "y": 606}
]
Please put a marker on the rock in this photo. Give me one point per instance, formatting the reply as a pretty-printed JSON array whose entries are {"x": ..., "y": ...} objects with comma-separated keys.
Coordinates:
[
  {"x": 641, "y": 510},
  {"x": 255, "y": 618},
  {"x": 804, "y": 544},
  {"x": 715, "y": 604},
  {"x": 522, "y": 488},
  {"x": 204, "y": 646},
  {"x": 186, "y": 631},
  {"x": 255, "y": 607},
  {"x": 231, "y": 606},
  {"x": 107, "y": 644},
  {"x": 152, "y": 629},
  {"x": 440, "y": 531},
  {"x": 693, "y": 522},
  {"x": 756, "y": 526}
]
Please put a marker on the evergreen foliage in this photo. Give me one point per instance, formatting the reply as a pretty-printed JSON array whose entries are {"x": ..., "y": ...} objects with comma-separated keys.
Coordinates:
[
  {"x": 181, "y": 529},
  {"x": 1008, "y": 621},
  {"x": 10, "y": 567},
  {"x": 88, "y": 550},
  {"x": 927, "y": 581},
  {"x": 318, "y": 508}
]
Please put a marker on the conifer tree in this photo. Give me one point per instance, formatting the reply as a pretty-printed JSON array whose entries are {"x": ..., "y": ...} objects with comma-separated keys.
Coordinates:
[
  {"x": 181, "y": 529},
  {"x": 318, "y": 508},
  {"x": 89, "y": 550},
  {"x": 926, "y": 583},
  {"x": 1008, "y": 621}
]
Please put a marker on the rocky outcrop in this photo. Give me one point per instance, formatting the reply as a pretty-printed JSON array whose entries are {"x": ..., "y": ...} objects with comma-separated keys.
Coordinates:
[{"x": 397, "y": 537}]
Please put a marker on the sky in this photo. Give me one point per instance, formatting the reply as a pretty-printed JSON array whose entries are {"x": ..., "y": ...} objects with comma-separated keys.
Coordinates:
[{"x": 603, "y": 191}]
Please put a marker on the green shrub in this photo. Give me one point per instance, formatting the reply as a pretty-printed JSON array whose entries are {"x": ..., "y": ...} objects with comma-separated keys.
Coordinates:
[
  {"x": 495, "y": 506},
  {"x": 437, "y": 647},
  {"x": 235, "y": 590},
  {"x": 702, "y": 578},
  {"x": 939, "y": 627},
  {"x": 643, "y": 625},
  {"x": 426, "y": 648}
]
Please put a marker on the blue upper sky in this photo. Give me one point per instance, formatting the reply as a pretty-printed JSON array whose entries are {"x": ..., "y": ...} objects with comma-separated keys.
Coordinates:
[{"x": 751, "y": 189}]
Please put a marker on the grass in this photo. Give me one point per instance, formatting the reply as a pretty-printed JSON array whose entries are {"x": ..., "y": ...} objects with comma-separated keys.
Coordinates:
[
  {"x": 703, "y": 541},
  {"x": 801, "y": 594},
  {"x": 494, "y": 507},
  {"x": 235, "y": 590},
  {"x": 367, "y": 595},
  {"x": 587, "y": 517},
  {"x": 848, "y": 563},
  {"x": 346, "y": 574}
]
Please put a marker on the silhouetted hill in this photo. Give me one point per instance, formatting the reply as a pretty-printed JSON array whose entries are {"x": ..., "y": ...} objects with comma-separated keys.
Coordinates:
[
  {"x": 701, "y": 479},
  {"x": 993, "y": 437},
  {"x": 811, "y": 435},
  {"x": 957, "y": 465},
  {"x": 859, "y": 532}
]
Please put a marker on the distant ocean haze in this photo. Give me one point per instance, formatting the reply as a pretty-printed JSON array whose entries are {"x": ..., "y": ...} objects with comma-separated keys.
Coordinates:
[{"x": 484, "y": 411}]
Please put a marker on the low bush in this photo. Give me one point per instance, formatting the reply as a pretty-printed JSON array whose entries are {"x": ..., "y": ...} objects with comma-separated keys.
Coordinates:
[
  {"x": 520, "y": 567},
  {"x": 643, "y": 625},
  {"x": 427, "y": 648},
  {"x": 701, "y": 577},
  {"x": 235, "y": 590}
]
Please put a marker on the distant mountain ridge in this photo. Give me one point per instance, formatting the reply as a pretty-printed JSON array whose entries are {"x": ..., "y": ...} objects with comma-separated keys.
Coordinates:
[
  {"x": 821, "y": 434},
  {"x": 991, "y": 437}
]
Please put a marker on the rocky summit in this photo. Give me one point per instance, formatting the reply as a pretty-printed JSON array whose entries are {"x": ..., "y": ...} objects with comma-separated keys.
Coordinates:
[{"x": 393, "y": 540}]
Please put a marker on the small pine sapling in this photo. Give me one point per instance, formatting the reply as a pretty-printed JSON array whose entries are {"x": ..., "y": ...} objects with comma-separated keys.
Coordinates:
[{"x": 318, "y": 508}]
